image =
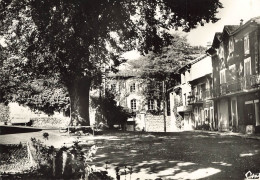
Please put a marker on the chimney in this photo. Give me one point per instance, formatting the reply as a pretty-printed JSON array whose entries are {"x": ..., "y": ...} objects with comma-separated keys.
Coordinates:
[
  {"x": 241, "y": 22},
  {"x": 209, "y": 44}
]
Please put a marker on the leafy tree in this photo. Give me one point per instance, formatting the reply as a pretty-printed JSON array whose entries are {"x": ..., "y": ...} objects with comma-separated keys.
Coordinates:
[
  {"x": 74, "y": 41},
  {"x": 163, "y": 66},
  {"x": 108, "y": 108}
]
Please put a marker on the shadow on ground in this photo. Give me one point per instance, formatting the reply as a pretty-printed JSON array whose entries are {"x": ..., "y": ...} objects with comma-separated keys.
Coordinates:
[
  {"x": 184, "y": 155},
  {"x": 16, "y": 129}
]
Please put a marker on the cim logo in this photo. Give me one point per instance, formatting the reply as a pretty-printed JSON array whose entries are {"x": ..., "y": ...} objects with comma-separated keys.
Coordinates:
[{"x": 250, "y": 175}]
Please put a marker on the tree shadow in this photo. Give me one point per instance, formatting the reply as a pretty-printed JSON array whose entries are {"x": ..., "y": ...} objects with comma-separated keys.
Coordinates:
[
  {"x": 16, "y": 129},
  {"x": 185, "y": 155}
]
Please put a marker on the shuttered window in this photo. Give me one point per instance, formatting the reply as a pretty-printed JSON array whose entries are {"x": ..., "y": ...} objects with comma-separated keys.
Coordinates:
[
  {"x": 246, "y": 44},
  {"x": 247, "y": 67},
  {"x": 223, "y": 76}
]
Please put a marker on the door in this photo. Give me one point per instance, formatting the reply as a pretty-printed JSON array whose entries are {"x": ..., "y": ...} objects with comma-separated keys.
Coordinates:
[
  {"x": 257, "y": 112},
  {"x": 257, "y": 116},
  {"x": 250, "y": 113},
  {"x": 234, "y": 112},
  {"x": 201, "y": 116},
  {"x": 206, "y": 115},
  {"x": 211, "y": 118}
]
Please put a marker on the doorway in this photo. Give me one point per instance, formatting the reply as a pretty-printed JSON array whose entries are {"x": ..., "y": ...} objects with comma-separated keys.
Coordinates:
[
  {"x": 211, "y": 118},
  {"x": 234, "y": 113},
  {"x": 250, "y": 113}
]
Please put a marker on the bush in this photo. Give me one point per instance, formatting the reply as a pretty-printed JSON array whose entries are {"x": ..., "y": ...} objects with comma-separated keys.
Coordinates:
[
  {"x": 203, "y": 127},
  {"x": 108, "y": 109},
  {"x": 66, "y": 162}
]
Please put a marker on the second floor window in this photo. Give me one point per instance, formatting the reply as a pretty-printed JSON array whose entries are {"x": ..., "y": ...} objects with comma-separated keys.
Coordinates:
[
  {"x": 232, "y": 72},
  {"x": 231, "y": 45},
  {"x": 223, "y": 76},
  {"x": 151, "y": 104},
  {"x": 133, "y": 104},
  {"x": 247, "y": 66},
  {"x": 221, "y": 52},
  {"x": 132, "y": 87},
  {"x": 202, "y": 92},
  {"x": 246, "y": 44}
]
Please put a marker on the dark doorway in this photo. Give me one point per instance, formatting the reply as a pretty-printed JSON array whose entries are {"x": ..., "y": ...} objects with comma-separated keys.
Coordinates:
[{"x": 250, "y": 114}]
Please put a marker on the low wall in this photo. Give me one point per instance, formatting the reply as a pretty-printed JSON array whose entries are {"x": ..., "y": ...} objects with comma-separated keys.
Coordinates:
[
  {"x": 50, "y": 122},
  {"x": 17, "y": 114},
  {"x": 155, "y": 123}
]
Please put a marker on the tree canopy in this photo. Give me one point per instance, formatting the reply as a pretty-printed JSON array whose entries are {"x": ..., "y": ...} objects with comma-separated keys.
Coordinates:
[
  {"x": 74, "y": 41},
  {"x": 165, "y": 64}
]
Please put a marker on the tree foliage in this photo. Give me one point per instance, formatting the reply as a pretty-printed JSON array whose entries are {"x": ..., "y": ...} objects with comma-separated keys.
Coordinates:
[
  {"x": 75, "y": 40},
  {"x": 108, "y": 109},
  {"x": 164, "y": 65}
]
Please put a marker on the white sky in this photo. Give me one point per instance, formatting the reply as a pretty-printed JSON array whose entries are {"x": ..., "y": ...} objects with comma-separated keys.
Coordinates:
[{"x": 231, "y": 14}]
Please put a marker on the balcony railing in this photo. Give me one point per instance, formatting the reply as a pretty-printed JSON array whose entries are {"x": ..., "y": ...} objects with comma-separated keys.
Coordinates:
[
  {"x": 240, "y": 84},
  {"x": 200, "y": 97}
]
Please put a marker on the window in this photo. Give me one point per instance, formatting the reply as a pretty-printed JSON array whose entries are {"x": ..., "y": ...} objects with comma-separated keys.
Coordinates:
[
  {"x": 133, "y": 104},
  {"x": 247, "y": 67},
  {"x": 132, "y": 87},
  {"x": 113, "y": 87},
  {"x": 246, "y": 44},
  {"x": 151, "y": 104},
  {"x": 206, "y": 113},
  {"x": 223, "y": 76},
  {"x": 232, "y": 72},
  {"x": 221, "y": 52},
  {"x": 231, "y": 45},
  {"x": 202, "y": 91}
]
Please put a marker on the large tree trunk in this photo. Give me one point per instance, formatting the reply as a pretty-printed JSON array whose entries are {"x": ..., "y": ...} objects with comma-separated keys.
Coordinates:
[{"x": 79, "y": 101}]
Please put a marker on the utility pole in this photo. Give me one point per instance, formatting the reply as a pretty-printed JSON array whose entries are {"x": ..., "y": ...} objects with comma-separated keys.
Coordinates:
[{"x": 164, "y": 105}]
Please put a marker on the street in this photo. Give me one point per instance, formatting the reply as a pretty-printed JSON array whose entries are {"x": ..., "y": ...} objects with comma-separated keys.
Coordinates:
[{"x": 183, "y": 155}]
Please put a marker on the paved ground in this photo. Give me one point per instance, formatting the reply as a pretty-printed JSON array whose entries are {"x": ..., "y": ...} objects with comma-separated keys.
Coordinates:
[{"x": 182, "y": 155}]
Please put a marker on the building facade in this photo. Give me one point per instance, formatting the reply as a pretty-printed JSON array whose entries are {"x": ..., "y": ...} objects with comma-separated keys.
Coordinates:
[
  {"x": 236, "y": 78},
  {"x": 141, "y": 97},
  {"x": 190, "y": 101}
]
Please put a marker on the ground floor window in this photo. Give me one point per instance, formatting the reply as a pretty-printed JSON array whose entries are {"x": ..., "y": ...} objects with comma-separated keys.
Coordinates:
[
  {"x": 151, "y": 105},
  {"x": 133, "y": 104}
]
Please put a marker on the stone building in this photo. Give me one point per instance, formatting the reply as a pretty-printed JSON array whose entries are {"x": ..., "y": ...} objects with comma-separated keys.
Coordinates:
[
  {"x": 236, "y": 77},
  {"x": 141, "y": 97}
]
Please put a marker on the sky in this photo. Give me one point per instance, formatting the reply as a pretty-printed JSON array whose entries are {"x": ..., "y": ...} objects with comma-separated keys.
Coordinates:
[{"x": 231, "y": 14}]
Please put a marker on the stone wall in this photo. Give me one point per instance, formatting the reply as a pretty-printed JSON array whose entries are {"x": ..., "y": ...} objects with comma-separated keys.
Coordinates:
[
  {"x": 50, "y": 122},
  {"x": 156, "y": 123},
  {"x": 18, "y": 114}
]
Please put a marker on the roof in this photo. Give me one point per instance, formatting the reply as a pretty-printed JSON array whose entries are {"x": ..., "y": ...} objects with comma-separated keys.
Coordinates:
[
  {"x": 192, "y": 62},
  {"x": 230, "y": 28},
  {"x": 255, "y": 19},
  {"x": 125, "y": 70},
  {"x": 126, "y": 74},
  {"x": 217, "y": 39},
  {"x": 198, "y": 59}
]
